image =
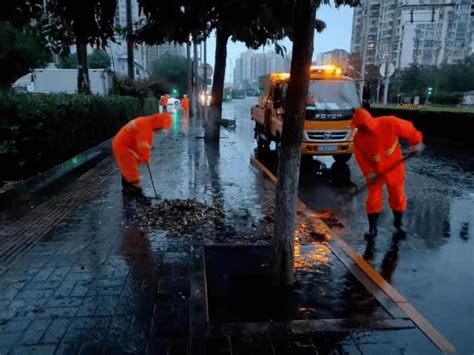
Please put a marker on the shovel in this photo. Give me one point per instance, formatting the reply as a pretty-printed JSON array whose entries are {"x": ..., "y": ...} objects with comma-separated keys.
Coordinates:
[
  {"x": 152, "y": 182},
  {"x": 357, "y": 190}
]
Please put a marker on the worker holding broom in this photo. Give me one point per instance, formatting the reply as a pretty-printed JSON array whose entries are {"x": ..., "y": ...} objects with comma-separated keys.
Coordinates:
[
  {"x": 379, "y": 156},
  {"x": 132, "y": 146}
]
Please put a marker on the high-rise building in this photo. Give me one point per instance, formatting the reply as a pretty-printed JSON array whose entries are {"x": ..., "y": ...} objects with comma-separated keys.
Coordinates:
[
  {"x": 118, "y": 49},
  {"x": 336, "y": 56},
  {"x": 250, "y": 65},
  {"x": 425, "y": 32}
]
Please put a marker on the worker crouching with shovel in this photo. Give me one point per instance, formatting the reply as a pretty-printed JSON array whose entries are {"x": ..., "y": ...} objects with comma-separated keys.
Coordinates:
[
  {"x": 379, "y": 156},
  {"x": 132, "y": 146}
]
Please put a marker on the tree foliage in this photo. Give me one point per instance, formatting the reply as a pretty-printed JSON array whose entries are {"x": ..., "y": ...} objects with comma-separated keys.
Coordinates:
[
  {"x": 18, "y": 13},
  {"x": 72, "y": 22},
  {"x": 447, "y": 81},
  {"x": 98, "y": 59},
  {"x": 171, "y": 71},
  {"x": 21, "y": 49}
]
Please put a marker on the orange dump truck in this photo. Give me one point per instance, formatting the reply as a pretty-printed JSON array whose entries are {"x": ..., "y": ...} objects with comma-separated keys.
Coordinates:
[{"x": 332, "y": 98}]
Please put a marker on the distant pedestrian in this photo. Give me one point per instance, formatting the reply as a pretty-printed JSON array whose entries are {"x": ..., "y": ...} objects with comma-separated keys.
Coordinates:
[
  {"x": 132, "y": 146},
  {"x": 185, "y": 105},
  {"x": 164, "y": 103},
  {"x": 379, "y": 155}
]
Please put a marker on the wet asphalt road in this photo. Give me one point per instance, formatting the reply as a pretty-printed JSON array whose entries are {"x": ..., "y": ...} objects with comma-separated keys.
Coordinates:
[{"x": 434, "y": 266}]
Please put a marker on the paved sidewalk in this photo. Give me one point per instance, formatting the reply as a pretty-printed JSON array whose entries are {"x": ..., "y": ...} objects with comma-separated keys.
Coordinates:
[{"x": 77, "y": 277}]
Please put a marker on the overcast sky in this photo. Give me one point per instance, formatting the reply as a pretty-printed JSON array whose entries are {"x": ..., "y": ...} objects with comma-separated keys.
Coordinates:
[{"x": 336, "y": 35}]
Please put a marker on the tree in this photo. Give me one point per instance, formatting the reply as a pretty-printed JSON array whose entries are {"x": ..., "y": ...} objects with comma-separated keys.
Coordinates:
[
  {"x": 21, "y": 49},
  {"x": 19, "y": 13},
  {"x": 98, "y": 59},
  {"x": 304, "y": 23},
  {"x": 72, "y": 22},
  {"x": 172, "y": 71}
]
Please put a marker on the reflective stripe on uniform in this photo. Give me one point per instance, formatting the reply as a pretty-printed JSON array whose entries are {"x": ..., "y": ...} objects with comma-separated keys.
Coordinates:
[{"x": 390, "y": 150}]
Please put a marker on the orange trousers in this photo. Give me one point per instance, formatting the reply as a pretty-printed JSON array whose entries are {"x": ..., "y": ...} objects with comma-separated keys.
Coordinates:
[
  {"x": 127, "y": 161},
  {"x": 396, "y": 196}
]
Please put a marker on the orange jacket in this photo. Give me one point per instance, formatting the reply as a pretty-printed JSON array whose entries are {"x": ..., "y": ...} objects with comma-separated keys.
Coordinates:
[
  {"x": 185, "y": 103},
  {"x": 164, "y": 100},
  {"x": 137, "y": 135},
  {"x": 377, "y": 146}
]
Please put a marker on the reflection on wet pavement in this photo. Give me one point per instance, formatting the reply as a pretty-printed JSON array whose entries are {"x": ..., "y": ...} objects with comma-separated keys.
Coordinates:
[{"x": 434, "y": 266}]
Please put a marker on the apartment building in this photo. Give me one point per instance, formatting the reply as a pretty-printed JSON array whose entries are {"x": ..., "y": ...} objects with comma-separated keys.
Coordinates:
[{"x": 424, "y": 32}]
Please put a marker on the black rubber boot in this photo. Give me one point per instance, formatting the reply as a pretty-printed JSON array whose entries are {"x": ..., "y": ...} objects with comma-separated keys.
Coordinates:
[
  {"x": 135, "y": 192},
  {"x": 397, "y": 222},
  {"x": 373, "y": 218}
]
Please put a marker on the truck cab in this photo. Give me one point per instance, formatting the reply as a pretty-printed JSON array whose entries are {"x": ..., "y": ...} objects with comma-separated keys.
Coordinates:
[{"x": 332, "y": 98}]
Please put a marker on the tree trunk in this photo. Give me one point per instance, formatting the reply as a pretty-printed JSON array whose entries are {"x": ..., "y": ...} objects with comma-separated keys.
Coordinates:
[
  {"x": 83, "y": 84},
  {"x": 130, "y": 59},
  {"x": 290, "y": 147},
  {"x": 189, "y": 78},
  {"x": 217, "y": 93},
  {"x": 195, "y": 92}
]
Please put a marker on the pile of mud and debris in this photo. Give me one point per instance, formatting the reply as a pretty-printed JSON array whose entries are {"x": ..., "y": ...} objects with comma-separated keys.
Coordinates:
[{"x": 178, "y": 216}]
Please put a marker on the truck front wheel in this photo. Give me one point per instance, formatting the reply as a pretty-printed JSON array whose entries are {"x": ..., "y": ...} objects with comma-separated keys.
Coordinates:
[{"x": 342, "y": 158}]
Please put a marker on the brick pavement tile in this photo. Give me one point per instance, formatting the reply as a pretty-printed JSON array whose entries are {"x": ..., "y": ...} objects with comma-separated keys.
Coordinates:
[
  {"x": 42, "y": 285},
  {"x": 105, "y": 291},
  {"x": 34, "y": 350},
  {"x": 64, "y": 301},
  {"x": 34, "y": 294},
  {"x": 13, "y": 326},
  {"x": 43, "y": 274},
  {"x": 59, "y": 273},
  {"x": 65, "y": 288},
  {"x": 8, "y": 290},
  {"x": 80, "y": 288},
  {"x": 9, "y": 339},
  {"x": 119, "y": 328},
  {"x": 20, "y": 275},
  {"x": 4, "y": 350},
  {"x": 58, "y": 312},
  {"x": 34, "y": 332},
  {"x": 57, "y": 328}
]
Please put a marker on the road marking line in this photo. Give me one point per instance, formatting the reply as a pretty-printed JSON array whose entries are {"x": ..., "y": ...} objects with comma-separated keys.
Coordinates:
[{"x": 422, "y": 323}]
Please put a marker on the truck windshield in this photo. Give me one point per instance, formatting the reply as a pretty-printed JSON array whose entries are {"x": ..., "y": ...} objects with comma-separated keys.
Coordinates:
[{"x": 332, "y": 95}]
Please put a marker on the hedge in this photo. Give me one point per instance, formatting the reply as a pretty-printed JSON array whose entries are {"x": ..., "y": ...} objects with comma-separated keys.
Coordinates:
[
  {"x": 456, "y": 126},
  {"x": 39, "y": 131}
]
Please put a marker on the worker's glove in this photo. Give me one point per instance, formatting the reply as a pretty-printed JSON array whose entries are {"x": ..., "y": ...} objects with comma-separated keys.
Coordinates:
[
  {"x": 417, "y": 148},
  {"x": 371, "y": 177}
]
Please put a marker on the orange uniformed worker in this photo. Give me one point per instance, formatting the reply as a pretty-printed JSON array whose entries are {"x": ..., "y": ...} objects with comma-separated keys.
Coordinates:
[
  {"x": 378, "y": 153},
  {"x": 164, "y": 102},
  {"x": 185, "y": 105},
  {"x": 132, "y": 146}
]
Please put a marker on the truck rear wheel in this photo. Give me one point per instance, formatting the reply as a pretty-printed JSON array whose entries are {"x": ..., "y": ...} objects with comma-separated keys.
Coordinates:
[
  {"x": 342, "y": 158},
  {"x": 263, "y": 145}
]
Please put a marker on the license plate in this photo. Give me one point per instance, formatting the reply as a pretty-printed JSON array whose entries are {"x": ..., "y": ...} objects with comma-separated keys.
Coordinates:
[{"x": 327, "y": 148}]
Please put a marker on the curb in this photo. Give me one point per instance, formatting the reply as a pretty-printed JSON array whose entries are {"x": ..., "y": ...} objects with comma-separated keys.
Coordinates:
[
  {"x": 41, "y": 180},
  {"x": 350, "y": 258}
]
